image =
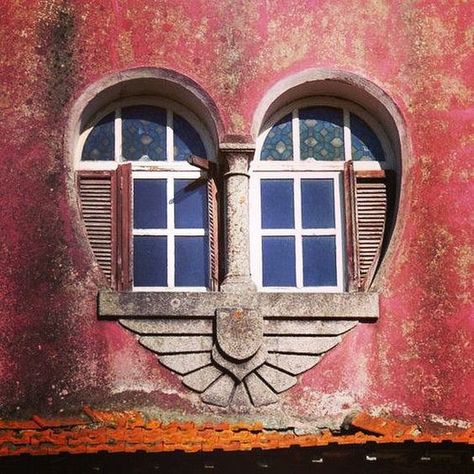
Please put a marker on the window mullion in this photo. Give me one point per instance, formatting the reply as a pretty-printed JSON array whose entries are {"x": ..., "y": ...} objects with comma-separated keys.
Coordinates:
[
  {"x": 169, "y": 136},
  {"x": 170, "y": 237},
  {"x": 339, "y": 238},
  {"x": 296, "y": 136},
  {"x": 298, "y": 232},
  {"x": 118, "y": 135},
  {"x": 347, "y": 135}
]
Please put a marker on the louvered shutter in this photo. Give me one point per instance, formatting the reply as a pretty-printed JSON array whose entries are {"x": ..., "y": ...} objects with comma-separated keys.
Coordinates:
[
  {"x": 104, "y": 198},
  {"x": 367, "y": 194},
  {"x": 98, "y": 203}
]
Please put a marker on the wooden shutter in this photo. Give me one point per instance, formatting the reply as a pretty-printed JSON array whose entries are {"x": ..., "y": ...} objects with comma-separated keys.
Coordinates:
[
  {"x": 98, "y": 203},
  {"x": 213, "y": 219},
  {"x": 213, "y": 216},
  {"x": 366, "y": 221},
  {"x": 104, "y": 198}
]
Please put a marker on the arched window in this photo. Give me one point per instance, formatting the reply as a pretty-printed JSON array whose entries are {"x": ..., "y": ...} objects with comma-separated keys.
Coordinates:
[
  {"x": 319, "y": 197},
  {"x": 148, "y": 212}
]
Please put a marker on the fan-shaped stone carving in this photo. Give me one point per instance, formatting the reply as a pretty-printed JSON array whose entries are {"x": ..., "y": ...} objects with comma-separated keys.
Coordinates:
[{"x": 239, "y": 356}]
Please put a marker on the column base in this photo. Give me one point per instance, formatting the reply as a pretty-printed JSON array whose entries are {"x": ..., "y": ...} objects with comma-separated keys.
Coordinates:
[{"x": 237, "y": 283}]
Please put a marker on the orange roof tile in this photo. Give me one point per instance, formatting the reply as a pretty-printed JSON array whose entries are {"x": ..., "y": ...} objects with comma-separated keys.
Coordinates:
[{"x": 130, "y": 432}]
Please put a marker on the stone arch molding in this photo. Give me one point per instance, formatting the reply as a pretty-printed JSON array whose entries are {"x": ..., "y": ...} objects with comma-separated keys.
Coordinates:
[{"x": 237, "y": 346}]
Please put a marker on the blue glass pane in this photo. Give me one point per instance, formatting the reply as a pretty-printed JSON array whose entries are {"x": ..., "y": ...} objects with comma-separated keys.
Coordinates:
[
  {"x": 321, "y": 133},
  {"x": 317, "y": 201},
  {"x": 143, "y": 133},
  {"x": 149, "y": 204},
  {"x": 192, "y": 261},
  {"x": 278, "y": 261},
  {"x": 100, "y": 141},
  {"x": 365, "y": 144},
  {"x": 277, "y": 203},
  {"x": 190, "y": 204},
  {"x": 149, "y": 261},
  {"x": 319, "y": 261},
  {"x": 278, "y": 143},
  {"x": 186, "y": 140}
]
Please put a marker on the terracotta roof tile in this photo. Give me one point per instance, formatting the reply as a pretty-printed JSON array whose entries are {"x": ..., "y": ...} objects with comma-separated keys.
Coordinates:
[{"x": 129, "y": 431}]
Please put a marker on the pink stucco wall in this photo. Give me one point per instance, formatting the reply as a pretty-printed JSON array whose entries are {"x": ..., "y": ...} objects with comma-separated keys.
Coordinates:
[{"x": 55, "y": 355}]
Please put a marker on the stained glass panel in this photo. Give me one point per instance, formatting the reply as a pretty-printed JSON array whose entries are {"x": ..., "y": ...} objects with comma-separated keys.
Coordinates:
[
  {"x": 144, "y": 133},
  {"x": 100, "y": 141},
  {"x": 321, "y": 133},
  {"x": 186, "y": 140},
  {"x": 278, "y": 144},
  {"x": 365, "y": 144}
]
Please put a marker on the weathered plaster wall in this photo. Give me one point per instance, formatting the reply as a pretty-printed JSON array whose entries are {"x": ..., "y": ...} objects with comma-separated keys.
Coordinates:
[{"x": 55, "y": 356}]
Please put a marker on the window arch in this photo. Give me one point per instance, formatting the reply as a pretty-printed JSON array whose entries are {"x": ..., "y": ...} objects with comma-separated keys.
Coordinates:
[
  {"x": 320, "y": 186},
  {"x": 149, "y": 213}
]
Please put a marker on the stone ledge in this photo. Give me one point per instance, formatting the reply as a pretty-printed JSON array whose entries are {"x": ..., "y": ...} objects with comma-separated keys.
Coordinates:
[{"x": 360, "y": 306}]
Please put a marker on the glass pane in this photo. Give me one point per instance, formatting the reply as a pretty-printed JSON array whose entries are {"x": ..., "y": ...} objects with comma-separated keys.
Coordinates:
[
  {"x": 321, "y": 133},
  {"x": 277, "y": 203},
  {"x": 143, "y": 133},
  {"x": 190, "y": 204},
  {"x": 365, "y": 144},
  {"x": 149, "y": 204},
  {"x": 100, "y": 141},
  {"x": 317, "y": 201},
  {"x": 278, "y": 143},
  {"x": 278, "y": 261},
  {"x": 319, "y": 261},
  {"x": 149, "y": 261},
  {"x": 186, "y": 140},
  {"x": 192, "y": 261}
]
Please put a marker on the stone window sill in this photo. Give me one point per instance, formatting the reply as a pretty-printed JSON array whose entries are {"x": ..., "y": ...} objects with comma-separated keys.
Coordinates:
[{"x": 355, "y": 306}]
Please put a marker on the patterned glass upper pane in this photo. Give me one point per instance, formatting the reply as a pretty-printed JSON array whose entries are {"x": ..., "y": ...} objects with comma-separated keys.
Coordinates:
[
  {"x": 100, "y": 141},
  {"x": 365, "y": 144},
  {"x": 186, "y": 140},
  {"x": 144, "y": 133},
  {"x": 278, "y": 143},
  {"x": 321, "y": 133}
]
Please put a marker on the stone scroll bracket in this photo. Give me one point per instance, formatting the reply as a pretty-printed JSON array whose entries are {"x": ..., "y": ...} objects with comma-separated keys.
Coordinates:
[{"x": 239, "y": 349}]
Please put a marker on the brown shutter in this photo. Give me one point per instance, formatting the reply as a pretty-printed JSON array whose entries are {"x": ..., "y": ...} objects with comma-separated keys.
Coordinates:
[
  {"x": 124, "y": 209},
  {"x": 213, "y": 213},
  {"x": 98, "y": 203},
  {"x": 351, "y": 227},
  {"x": 105, "y": 207},
  {"x": 370, "y": 197}
]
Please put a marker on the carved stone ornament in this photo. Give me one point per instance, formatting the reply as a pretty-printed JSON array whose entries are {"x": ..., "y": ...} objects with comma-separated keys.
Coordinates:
[
  {"x": 238, "y": 346},
  {"x": 239, "y": 355}
]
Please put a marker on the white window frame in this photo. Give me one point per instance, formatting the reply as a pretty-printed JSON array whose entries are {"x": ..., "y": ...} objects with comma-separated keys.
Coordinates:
[
  {"x": 167, "y": 169},
  {"x": 301, "y": 169},
  {"x": 170, "y": 232},
  {"x": 298, "y": 232}
]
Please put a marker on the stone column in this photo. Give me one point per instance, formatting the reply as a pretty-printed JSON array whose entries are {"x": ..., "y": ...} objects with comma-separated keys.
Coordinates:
[{"x": 237, "y": 158}]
